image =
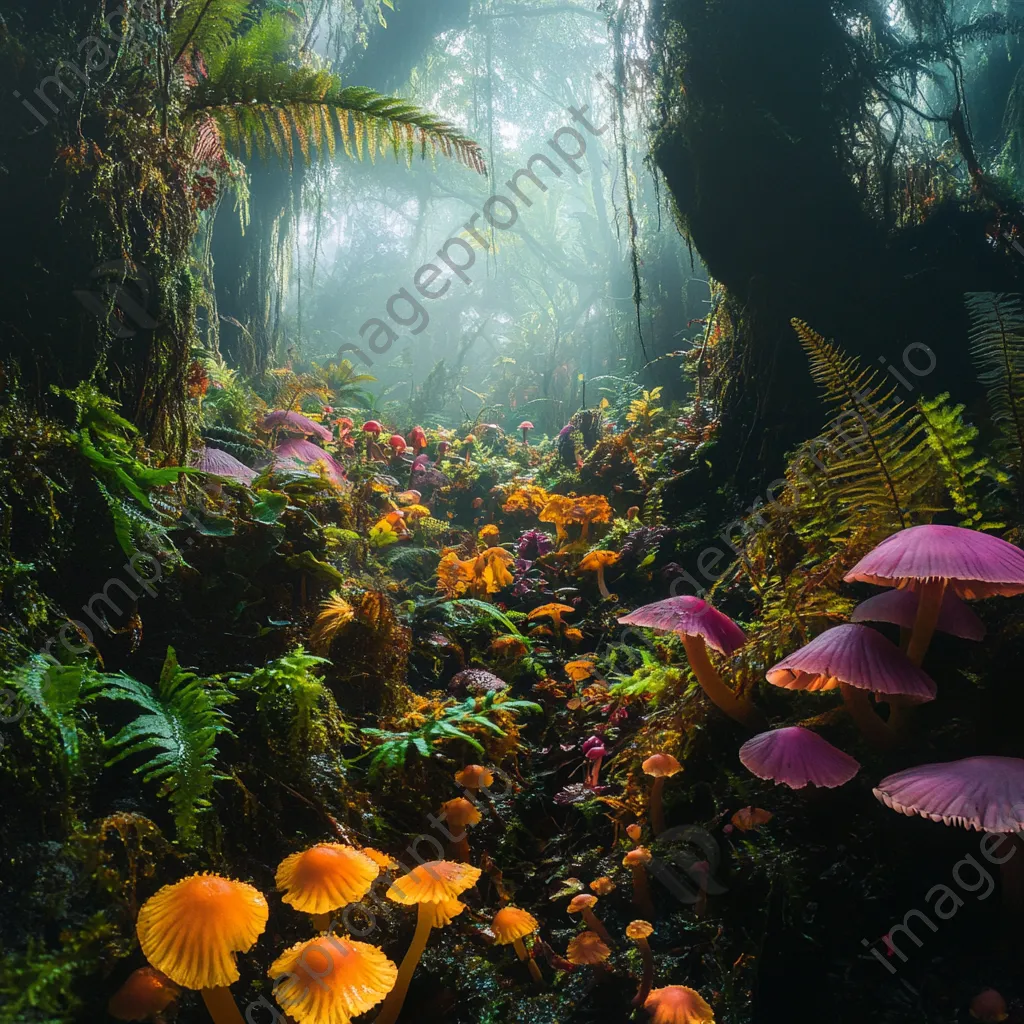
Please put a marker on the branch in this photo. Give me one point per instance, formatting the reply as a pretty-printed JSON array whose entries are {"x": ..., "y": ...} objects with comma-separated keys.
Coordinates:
[
  {"x": 192, "y": 31},
  {"x": 542, "y": 12}
]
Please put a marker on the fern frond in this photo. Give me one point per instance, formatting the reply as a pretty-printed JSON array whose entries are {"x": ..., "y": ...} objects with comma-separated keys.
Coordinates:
[
  {"x": 997, "y": 347},
  {"x": 207, "y": 25},
  {"x": 874, "y": 448},
  {"x": 58, "y": 692},
  {"x": 176, "y": 736}
]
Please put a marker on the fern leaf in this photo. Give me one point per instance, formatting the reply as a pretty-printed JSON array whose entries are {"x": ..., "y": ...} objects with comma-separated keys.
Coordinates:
[
  {"x": 875, "y": 448},
  {"x": 997, "y": 347},
  {"x": 176, "y": 736}
]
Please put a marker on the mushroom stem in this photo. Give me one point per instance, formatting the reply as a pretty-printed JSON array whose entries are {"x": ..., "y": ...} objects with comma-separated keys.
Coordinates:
[
  {"x": 642, "y": 891},
  {"x": 221, "y": 1006},
  {"x": 929, "y": 604},
  {"x": 738, "y": 709},
  {"x": 647, "y": 979},
  {"x": 460, "y": 847},
  {"x": 601, "y": 585},
  {"x": 394, "y": 1000},
  {"x": 517, "y": 945},
  {"x": 871, "y": 726},
  {"x": 657, "y": 808},
  {"x": 595, "y": 925},
  {"x": 321, "y": 922}
]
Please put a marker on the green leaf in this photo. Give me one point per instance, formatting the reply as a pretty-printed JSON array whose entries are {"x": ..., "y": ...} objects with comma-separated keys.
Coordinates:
[{"x": 270, "y": 507}]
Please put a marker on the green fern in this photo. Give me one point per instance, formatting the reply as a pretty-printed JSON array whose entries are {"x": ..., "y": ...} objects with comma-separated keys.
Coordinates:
[
  {"x": 394, "y": 748},
  {"x": 874, "y": 448},
  {"x": 177, "y": 736},
  {"x": 997, "y": 347},
  {"x": 263, "y": 99},
  {"x": 58, "y": 692},
  {"x": 951, "y": 441},
  {"x": 289, "y": 688},
  {"x": 207, "y": 25}
]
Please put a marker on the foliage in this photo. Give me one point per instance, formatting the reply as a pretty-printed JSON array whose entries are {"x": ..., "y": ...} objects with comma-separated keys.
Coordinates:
[
  {"x": 176, "y": 738},
  {"x": 450, "y": 722}
]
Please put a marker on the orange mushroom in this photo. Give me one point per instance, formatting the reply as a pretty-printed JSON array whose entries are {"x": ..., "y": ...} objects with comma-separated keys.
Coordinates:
[
  {"x": 384, "y": 861},
  {"x": 639, "y": 932},
  {"x": 458, "y": 814},
  {"x": 324, "y": 878},
  {"x": 584, "y": 904},
  {"x": 660, "y": 767},
  {"x": 593, "y": 508},
  {"x": 558, "y": 511},
  {"x": 510, "y": 926},
  {"x": 746, "y": 819},
  {"x": 677, "y": 1004},
  {"x": 330, "y": 980},
  {"x": 598, "y": 561},
  {"x": 553, "y": 611},
  {"x": 634, "y": 832},
  {"x": 637, "y": 861},
  {"x": 145, "y": 993},
  {"x": 191, "y": 931},
  {"x": 579, "y": 670},
  {"x": 587, "y": 948},
  {"x": 433, "y": 888},
  {"x": 477, "y": 779},
  {"x": 602, "y": 886},
  {"x": 511, "y": 647}
]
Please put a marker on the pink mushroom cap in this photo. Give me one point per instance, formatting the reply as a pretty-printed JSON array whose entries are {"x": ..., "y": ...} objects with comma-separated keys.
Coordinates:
[
  {"x": 308, "y": 454},
  {"x": 856, "y": 655},
  {"x": 221, "y": 463},
  {"x": 372, "y": 427},
  {"x": 296, "y": 422},
  {"x": 526, "y": 425},
  {"x": 795, "y": 756},
  {"x": 900, "y": 608},
  {"x": 981, "y": 793},
  {"x": 975, "y": 564},
  {"x": 691, "y": 616}
]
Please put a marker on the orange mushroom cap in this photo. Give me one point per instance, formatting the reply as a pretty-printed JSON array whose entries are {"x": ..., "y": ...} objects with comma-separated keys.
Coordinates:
[
  {"x": 599, "y": 559},
  {"x": 384, "y": 861},
  {"x": 511, "y": 923},
  {"x": 554, "y": 611},
  {"x": 579, "y": 670},
  {"x": 330, "y": 980},
  {"x": 661, "y": 766},
  {"x": 436, "y": 881},
  {"x": 634, "y": 832},
  {"x": 444, "y": 913},
  {"x": 460, "y": 812},
  {"x": 641, "y": 855},
  {"x": 639, "y": 930},
  {"x": 677, "y": 1004},
  {"x": 587, "y": 948},
  {"x": 748, "y": 818},
  {"x": 192, "y": 929},
  {"x": 145, "y": 993},
  {"x": 602, "y": 886},
  {"x": 474, "y": 776},
  {"x": 581, "y": 902},
  {"x": 573, "y": 634},
  {"x": 325, "y": 877}
]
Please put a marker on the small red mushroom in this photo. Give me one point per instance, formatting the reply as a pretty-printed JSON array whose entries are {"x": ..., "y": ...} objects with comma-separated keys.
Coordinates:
[
  {"x": 417, "y": 439},
  {"x": 397, "y": 444},
  {"x": 373, "y": 427},
  {"x": 526, "y": 426}
]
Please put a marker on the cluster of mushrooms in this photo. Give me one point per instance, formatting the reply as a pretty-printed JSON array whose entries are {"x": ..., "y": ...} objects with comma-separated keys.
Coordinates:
[
  {"x": 192, "y": 931},
  {"x": 930, "y": 570}
]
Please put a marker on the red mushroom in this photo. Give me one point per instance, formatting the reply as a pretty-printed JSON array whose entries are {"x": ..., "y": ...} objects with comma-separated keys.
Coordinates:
[
  {"x": 526, "y": 426},
  {"x": 397, "y": 444},
  {"x": 931, "y": 558},
  {"x": 796, "y": 756},
  {"x": 417, "y": 439},
  {"x": 699, "y": 625},
  {"x": 856, "y": 659}
]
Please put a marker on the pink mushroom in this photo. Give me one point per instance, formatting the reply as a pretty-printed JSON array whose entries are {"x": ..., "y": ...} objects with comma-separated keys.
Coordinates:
[
  {"x": 221, "y": 463},
  {"x": 981, "y": 793},
  {"x": 795, "y": 756},
  {"x": 931, "y": 558},
  {"x": 442, "y": 447},
  {"x": 899, "y": 607},
  {"x": 526, "y": 426},
  {"x": 307, "y": 454},
  {"x": 856, "y": 659},
  {"x": 594, "y": 751},
  {"x": 699, "y": 626},
  {"x": 296, "y": 423}
]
